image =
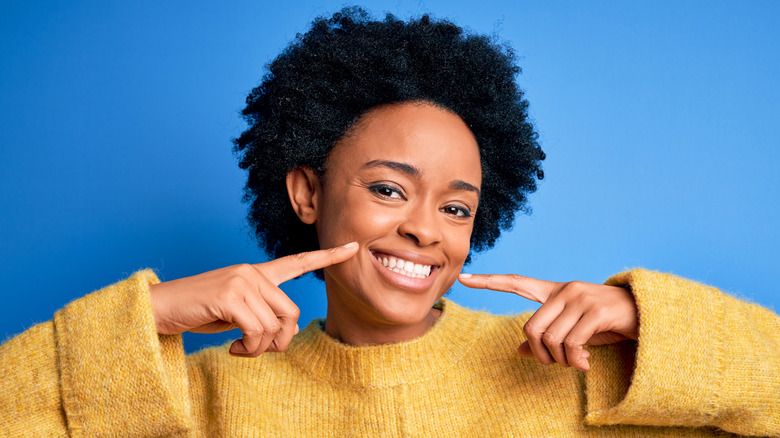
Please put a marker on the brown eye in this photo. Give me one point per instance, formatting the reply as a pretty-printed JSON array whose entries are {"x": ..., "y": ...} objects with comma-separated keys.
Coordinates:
[
  {"x": 457, "y": 210},
  {"x": 386, "y": 191}
]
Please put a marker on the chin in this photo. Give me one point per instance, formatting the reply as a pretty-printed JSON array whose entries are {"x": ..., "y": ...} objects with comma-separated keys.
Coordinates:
[
  {"x": 400, "y": 311},
  {"x": 367, "y": 291}
]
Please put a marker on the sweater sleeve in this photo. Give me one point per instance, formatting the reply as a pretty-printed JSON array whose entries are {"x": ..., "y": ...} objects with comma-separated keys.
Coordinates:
[
  {"x": 703, "y": 359},
  {"x": 99, "y": 369}
]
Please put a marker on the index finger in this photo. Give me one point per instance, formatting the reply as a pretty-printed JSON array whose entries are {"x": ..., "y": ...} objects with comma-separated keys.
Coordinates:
[
  {"x": 527, "y": 287},
  {"x": 289, "y": 267}
]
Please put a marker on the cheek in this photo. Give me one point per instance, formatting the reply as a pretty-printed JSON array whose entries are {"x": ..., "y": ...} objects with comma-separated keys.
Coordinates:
[
  {"x": 464, "y": 248},
  {"x": 360, "y": 222},
  {"x": 459, "y": 243},
  {"x": 458, "y": 246}
]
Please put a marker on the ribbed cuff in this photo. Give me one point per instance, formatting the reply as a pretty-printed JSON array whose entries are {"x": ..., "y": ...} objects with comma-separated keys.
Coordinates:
[{"x": 119, "y": 377}]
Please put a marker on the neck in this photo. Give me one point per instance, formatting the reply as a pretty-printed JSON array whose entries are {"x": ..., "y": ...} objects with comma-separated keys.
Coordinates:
[{"x": 353, "y": 328}]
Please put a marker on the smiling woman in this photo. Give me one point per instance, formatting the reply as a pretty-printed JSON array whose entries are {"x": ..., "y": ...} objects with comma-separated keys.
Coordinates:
[
  {"x": 404, "y": 184},
  {"x": 389, "y": 151}
]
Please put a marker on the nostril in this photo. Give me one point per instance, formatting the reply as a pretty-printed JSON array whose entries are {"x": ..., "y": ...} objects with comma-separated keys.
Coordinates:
[
  {"x": 413, "y": 237},
  {"x": 420, "y": 228}
]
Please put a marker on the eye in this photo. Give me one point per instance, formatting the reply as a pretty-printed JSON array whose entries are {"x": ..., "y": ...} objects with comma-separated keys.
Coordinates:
[
  {"x": 457, "y": 210},
  {"x": 387, "y": 191}
]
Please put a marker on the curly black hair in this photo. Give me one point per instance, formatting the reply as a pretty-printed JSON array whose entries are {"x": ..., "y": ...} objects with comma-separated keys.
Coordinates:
[{"x": 320, "y": 85}]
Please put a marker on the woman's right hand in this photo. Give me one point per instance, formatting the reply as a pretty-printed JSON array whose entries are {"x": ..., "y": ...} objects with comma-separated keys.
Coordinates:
[{"x": 244, "y": 296}]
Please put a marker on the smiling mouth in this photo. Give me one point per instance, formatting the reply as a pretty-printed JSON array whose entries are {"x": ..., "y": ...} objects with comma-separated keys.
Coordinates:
[{"x": 404, "y": 267}]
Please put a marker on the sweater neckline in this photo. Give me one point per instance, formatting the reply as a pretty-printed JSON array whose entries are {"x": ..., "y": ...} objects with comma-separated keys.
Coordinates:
[{"x": 422, "y": 358}]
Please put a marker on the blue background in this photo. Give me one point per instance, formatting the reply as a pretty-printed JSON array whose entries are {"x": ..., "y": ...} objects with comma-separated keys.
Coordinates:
[{"x": 659, "y": 120}]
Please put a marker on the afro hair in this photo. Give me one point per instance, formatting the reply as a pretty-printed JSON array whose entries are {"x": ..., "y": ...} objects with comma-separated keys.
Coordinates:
[{"x": 344, "y": 66}]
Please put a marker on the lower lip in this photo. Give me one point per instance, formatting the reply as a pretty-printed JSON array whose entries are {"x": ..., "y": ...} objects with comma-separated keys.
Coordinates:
[{"x": 404, "y": 282}]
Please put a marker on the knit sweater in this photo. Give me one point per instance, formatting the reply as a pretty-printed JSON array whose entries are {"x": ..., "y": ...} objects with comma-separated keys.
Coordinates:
[{"x": 704, "y": 363}]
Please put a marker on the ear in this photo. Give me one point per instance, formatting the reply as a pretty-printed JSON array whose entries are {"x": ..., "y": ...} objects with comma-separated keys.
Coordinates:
[{"x": 303, "y": 188}]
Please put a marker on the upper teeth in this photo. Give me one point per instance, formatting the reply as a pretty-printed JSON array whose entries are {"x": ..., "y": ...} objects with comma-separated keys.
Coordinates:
[{"x": 404, "y": 267}]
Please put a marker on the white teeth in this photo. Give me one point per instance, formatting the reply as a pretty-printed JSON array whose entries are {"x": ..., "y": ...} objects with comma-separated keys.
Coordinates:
[{"x": 405, "y": 267}]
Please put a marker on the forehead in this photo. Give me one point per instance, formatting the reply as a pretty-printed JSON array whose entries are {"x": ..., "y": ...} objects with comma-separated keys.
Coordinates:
[{"x": 425, "y": 136}]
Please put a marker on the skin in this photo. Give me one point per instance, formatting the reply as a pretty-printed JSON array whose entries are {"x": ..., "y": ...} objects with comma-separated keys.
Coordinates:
[
  {"x": 573, "y": 314},
  {"x": 242, "y": 296},
  {"x": 403, "y": 182}
]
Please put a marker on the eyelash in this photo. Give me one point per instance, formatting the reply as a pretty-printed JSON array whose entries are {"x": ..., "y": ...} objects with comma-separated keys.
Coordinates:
[
  {"x": 461, "y": 211},
  {"x": 378, "y": 189}
]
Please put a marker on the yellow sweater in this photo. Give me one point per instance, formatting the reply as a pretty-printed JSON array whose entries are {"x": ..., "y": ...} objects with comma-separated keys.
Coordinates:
[{"x": 704, "y": 363}]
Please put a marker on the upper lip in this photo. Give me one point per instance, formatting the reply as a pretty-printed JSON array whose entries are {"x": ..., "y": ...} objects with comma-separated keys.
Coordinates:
[{"x": 414, "y": 257}]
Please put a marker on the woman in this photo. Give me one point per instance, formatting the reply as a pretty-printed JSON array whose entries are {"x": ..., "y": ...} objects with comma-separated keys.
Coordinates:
[{"x": 399, "y": 148}]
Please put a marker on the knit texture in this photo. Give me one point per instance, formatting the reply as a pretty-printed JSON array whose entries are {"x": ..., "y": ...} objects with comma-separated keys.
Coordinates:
[{"x": 705, "y": 363}]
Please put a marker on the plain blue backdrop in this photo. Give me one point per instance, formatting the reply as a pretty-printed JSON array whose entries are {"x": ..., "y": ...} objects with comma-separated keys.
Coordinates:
[{"x": 659, "y": 120}]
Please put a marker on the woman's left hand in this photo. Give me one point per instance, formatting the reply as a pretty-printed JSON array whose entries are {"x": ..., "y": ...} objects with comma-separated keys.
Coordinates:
[{"x": 573, "y": 314}]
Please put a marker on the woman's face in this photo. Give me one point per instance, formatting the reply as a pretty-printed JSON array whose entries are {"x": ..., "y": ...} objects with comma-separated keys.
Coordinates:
[{"x": 405, "y": 185}]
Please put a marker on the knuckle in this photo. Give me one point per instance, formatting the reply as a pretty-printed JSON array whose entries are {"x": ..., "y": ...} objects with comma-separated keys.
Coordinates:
[
  {"x": 572, "y": 288},
  {"x": 551, "y": 338},
  {"x": 571, "y": 343},
  {"x": 237, "y": 282},
  {"x": 601, "y": 312},
  {"x": 517, "y": 280},
  {"x": 273, "y": 328},
  {"x": 293, "y": 312},
  {"x": 487, "y": 280},
  {"x": 532, "y": 331},
  {"x": 255, "y": 332},
  {"x": 245, "y": 270},
  {"x": 302, "y": 262},
  {"x": 301, "y": 258}
]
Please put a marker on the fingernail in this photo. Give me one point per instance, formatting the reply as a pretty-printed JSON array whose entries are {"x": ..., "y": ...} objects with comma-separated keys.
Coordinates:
[
  {"x": 297, "y": 329},
  {"x": 351, "y": 245},
  {"x": 464, "y": 275}
]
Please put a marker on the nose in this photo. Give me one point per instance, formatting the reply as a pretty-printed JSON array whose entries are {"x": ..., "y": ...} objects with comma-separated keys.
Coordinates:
[{"x": 421, "y": 225}]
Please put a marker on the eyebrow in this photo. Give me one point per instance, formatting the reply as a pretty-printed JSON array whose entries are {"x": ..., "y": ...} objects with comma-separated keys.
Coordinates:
[
  {"x": 395, "y": 165},
  {"x": 463, "y": 185},
  {"x": 415, "y": 172}
]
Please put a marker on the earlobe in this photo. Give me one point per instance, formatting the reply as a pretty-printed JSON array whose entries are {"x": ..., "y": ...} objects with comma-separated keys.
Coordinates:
[{"x": 302, "y": 187}]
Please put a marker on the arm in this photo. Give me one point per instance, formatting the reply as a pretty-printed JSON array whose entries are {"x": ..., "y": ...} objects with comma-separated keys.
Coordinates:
[
  {"x": 98, "y": 369},
  {"x": 30, "y": 402},
  {"x": 102, "y": 368},
  {"x": 703, "y": 358}
]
